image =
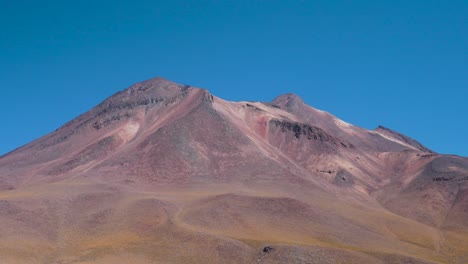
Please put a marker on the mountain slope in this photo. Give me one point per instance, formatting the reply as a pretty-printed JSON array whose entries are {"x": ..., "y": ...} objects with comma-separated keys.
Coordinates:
[{"x": 168, "y": 173}]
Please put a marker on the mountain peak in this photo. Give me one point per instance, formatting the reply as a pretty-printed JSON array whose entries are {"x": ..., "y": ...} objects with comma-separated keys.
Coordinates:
[
  {"x": 157, "y": 79},
  {"x": 290, "y": 102},
  {"x": 288, "y": 98},
  {"x": 156, "y": 86}
]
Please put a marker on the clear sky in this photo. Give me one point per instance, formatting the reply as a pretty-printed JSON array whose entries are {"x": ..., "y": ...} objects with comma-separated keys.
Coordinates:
[{"x": 401, "y": 64}]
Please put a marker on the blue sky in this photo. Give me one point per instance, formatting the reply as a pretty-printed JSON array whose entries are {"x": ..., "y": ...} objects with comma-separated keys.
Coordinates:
[{"x": 401, "y": 64}]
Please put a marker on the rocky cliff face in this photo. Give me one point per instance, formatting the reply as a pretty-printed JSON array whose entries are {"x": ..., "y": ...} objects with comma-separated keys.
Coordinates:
[{"x": 168, "y": 173}]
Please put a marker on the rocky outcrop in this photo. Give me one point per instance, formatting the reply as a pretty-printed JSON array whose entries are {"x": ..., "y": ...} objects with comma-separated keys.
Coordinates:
[
  {"x": 308, "y": 132},
  {"x": 344, "y": 179}
]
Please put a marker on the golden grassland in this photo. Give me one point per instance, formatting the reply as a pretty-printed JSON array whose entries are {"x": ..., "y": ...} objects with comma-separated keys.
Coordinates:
[{"x": 203, "y": 226}]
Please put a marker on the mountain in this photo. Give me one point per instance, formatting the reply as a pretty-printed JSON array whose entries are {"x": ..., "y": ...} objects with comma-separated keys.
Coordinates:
[{"x": 169, "y": 173}]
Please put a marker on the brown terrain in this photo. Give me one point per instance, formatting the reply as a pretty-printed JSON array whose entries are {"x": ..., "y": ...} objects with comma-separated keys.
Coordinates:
[{"x": 168, "y": 173}]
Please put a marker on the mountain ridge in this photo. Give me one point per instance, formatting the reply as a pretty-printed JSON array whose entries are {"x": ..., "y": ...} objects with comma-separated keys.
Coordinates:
[{"x": 165, "y": 172}]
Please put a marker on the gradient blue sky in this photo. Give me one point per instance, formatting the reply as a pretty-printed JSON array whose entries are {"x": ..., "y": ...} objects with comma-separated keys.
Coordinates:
[{"x": 401, "y": 64}]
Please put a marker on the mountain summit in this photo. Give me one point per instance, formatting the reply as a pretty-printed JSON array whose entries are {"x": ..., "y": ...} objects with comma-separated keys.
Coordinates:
[{"x": 168, "y": 173}]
